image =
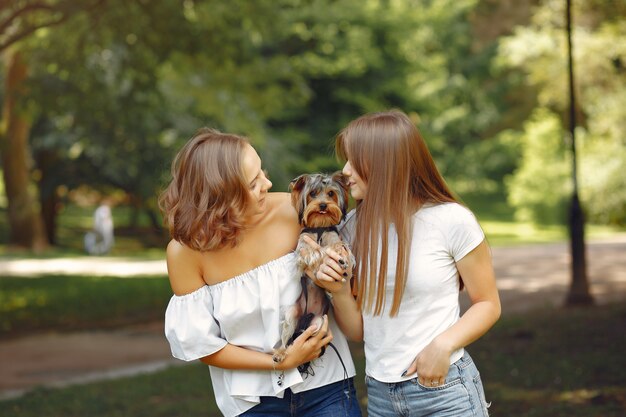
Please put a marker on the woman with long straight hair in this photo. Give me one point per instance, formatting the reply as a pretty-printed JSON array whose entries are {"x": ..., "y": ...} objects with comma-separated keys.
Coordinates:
[{"x": 416, "y": 247}]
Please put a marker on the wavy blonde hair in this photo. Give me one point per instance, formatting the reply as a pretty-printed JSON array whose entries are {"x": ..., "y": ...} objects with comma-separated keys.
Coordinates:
[
  {"x": 204, "y": 204},
  {"x": 389, "y": 154}
]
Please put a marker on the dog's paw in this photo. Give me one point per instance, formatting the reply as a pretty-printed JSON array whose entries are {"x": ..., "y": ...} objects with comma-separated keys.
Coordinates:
[
  {"x": 279, "y": 355},
  {"x": 318, "y": 322},
  {"x": 308, "y": 257},
  {"x": 346, "y": 255}
]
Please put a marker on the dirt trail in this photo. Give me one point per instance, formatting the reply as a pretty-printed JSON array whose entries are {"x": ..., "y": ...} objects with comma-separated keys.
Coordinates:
[{"x": 528, "y": 277}]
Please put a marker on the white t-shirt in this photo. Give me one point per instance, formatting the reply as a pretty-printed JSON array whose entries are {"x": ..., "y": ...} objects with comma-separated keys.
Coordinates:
[
  {"x": 442, "y": 235},
  {"x": 246, "y": 311}
]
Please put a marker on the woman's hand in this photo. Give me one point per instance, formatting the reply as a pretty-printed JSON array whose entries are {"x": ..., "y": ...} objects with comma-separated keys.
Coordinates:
[
  {"x": 431, "y": 365},
  {"x": 331, "y": 274},
  {"x": 308, "y": 346}
]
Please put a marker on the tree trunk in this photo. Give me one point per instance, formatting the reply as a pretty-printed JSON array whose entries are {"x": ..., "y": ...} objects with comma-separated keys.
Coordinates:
[
  {"x": 48, "y": 165},
  {"x": 49, "y": 209},
  {"x": 25, "y": 223},
  {"x": 579, "y": 293}
]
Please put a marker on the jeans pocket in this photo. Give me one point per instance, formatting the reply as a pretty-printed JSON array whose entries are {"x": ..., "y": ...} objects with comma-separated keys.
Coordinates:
[{"x": 448, "y": 383}]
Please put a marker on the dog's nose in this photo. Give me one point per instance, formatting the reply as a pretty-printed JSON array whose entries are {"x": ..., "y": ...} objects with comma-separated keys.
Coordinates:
[{"x": 323, "y": 206}]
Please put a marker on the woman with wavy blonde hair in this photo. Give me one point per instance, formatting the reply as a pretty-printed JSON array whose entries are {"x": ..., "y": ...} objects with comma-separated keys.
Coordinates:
[
  {"x": 232, "y": 269},
  {"x": 416, "y": 247}
]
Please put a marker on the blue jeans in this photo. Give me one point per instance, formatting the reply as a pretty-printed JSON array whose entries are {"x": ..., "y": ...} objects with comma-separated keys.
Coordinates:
[
  {"x": 334, "y": 400},
  {"x": 461, "y": 396}
]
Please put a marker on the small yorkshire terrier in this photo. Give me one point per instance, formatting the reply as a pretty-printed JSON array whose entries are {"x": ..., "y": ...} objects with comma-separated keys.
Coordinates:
[{"x": 321, "y": 201}]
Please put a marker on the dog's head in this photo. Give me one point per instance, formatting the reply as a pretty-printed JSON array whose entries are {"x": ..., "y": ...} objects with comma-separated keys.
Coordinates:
[{"x": 321, "y": 200}]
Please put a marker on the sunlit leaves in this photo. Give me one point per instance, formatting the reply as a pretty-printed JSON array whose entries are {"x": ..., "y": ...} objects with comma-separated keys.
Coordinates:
[{"x": 539, "y": 50}]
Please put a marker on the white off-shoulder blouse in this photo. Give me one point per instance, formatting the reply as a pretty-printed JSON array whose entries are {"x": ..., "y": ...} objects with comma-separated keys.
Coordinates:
[{"x": 246, "y": 311}]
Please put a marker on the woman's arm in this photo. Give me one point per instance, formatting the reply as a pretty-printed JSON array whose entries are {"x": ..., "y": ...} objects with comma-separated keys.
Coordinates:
[
  {"x": 347, "y": 313},
  {"x": 477, "y": 272},
  {"x": 305, "y": 348}
]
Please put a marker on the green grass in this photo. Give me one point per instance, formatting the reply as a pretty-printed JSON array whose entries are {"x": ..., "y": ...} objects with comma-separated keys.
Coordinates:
[
  {"x": 78, "y": 302},
  {"x": 179, "y": 391},
  {"x": 501, "y": 233},
  {"x": 502, "y": 229},
  {"x": 566, "y": 362},
  {"x": 548, "y": 363}
]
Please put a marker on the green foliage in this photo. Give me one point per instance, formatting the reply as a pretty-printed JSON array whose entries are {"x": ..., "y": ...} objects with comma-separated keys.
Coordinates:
[
  {"x": 603, "y": 183},
  {"x": 20, "y": 19},
  {"x": 114, "y": 98},
  {"x": 290, "y": 78},
  {"x": 539, "y": 50},
  {"x": 99, "y": 109},
  {"x": 499, "y": 157},
  {"x": 539, "y": 188}
]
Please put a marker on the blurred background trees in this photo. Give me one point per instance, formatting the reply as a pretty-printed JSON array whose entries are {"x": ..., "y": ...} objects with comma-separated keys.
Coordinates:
[
  {"x": 110, "y": 89},
  {"x": 600, "y": 56}
]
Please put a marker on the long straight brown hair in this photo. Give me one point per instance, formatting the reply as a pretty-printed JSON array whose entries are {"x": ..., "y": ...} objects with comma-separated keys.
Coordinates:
[{"x": 387, "y": 151}]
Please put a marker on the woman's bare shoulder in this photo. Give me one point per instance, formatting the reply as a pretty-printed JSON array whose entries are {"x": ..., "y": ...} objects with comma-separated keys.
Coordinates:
[
  {"x": 281, "y": 203},
  {"x": 282, "y": 222},
  {"x": 183, "y": 268},
  {"x": 280, "y": 197}
]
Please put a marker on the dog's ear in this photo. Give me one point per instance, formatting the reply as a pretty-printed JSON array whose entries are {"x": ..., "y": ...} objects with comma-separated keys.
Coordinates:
[
  {"x": 297, "y": 183},
  {"x": 295, "y": 188},
  {"x": 342, "y": 180}
]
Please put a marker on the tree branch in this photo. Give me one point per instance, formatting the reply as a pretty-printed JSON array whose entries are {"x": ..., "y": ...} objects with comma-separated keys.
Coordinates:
[
  {"x": 31, "y": 29},
  {"x": 20, "y": 35},
  {"x": 26, "y": 9}
]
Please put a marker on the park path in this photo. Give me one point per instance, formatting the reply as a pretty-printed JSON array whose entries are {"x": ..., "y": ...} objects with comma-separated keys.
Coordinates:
[{"x": 528, "y": 277}]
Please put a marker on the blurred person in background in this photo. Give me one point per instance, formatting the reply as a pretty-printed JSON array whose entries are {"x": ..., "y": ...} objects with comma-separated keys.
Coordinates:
[{"x": 100, "y": 240}]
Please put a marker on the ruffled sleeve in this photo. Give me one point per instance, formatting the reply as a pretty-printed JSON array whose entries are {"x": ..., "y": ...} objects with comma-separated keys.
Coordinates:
[{"x": 190, "y": 327}]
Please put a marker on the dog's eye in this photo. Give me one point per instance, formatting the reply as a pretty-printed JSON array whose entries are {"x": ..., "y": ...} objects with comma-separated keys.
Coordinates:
[
  {"x": 331, "y": 193},
  {"x": 312, "y": 194}
]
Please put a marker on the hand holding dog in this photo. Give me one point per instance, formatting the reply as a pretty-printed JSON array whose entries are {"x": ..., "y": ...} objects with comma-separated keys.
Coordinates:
[
  {"x": 431, "y": 364},
  {"x": 332, "y": 274},
  {"x": 307, "y": 347}
]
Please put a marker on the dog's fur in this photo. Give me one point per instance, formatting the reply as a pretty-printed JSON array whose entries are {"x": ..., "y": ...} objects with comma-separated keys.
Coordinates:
[{"x": 321, "y": 201}]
